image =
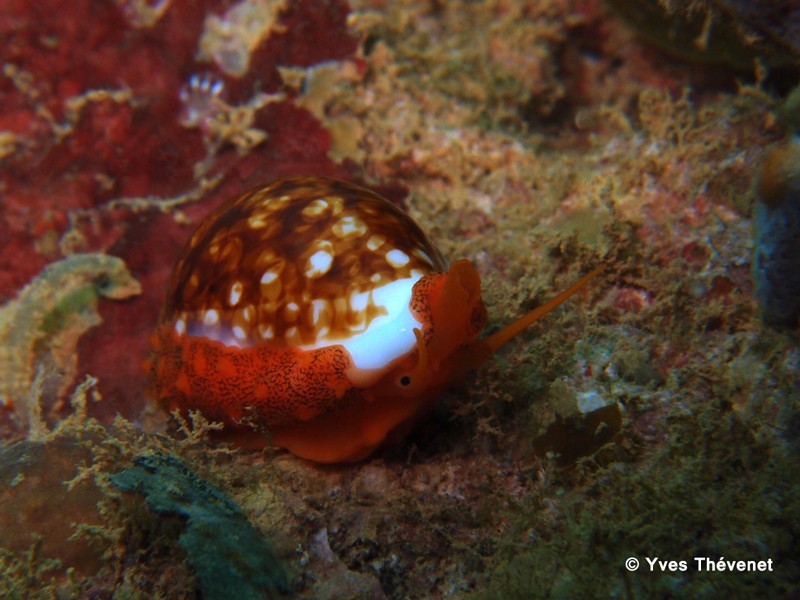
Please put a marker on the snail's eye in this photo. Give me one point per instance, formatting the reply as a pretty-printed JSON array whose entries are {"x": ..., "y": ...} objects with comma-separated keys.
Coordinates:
[{"x": 405, "y": 380}]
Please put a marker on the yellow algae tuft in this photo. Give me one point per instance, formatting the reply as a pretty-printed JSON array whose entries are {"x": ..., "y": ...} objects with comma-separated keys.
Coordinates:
[
  {"x": 234, "y": 124},
  {"x": 324, "y": 87},
  {"x": 9, "y": 142},
  {"x": 230, "y": 40},
  {"x": 40, "y": 329},
  {"x": 143, "y": 13}
]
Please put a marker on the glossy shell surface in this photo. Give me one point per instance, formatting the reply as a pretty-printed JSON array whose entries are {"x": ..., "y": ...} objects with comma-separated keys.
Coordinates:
[
  {"x": 298, "y": 262},
  {"x": 290, "y": 301}
]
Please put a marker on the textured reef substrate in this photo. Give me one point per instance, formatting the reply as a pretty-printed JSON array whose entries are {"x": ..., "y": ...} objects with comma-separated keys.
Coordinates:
[{"x": 655, "y": 414}]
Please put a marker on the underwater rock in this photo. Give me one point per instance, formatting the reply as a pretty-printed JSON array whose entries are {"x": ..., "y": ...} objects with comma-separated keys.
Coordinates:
[
  {"x": 333, "y": 579},
  {"x": 35, "y": 501},
  {"x": 579, "y": 435},
  {"x": 730, "y": 32},
  {"x": 776, "y": 220},
  {"x": 224, "y": 549}
]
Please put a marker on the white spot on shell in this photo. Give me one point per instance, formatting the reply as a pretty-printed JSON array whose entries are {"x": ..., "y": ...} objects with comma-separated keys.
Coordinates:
[
  {"x": 239, "y": 333},
  {"x": 211, "y": 317},
  {"x": 375, "y": 241},
  {"x": 266, "y": 332},
  {"x": 270, "y": 286},
  {"x": 180, "y": 326},
  {"x": 257, "y": 221},
  {"x": 315, "y": 208},
  {"x": 358, "y": 301},
  {"x": 290, "y": 312},
  {"x": 236, "y": 293},
  {"x": 268, "y": 277},
  {"x": 319, "y": 263},
  {"x": 349, "y": 226},
  {"x": 317, "y": 309},
  {"x": 397, "y": 258}
]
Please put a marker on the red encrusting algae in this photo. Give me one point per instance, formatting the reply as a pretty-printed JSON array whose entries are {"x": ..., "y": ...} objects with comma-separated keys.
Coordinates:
[{"x": 95, "y": 158}]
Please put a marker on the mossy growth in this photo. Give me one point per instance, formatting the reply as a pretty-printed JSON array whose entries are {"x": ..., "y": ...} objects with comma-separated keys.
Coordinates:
[
  {"x": 715, "y": 488},
  {"x": 32, "y": 577},
  {"x": 196, "y": 535},
  {"x": 709, "y": 31}
]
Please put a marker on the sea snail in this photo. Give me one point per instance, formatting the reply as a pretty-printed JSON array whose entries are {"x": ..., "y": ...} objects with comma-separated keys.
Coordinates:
[{"x": 320, "y": 311}]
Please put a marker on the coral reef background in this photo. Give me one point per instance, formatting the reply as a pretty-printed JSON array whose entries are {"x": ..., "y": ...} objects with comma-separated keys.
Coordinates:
[{"x": 656, "y": 415}]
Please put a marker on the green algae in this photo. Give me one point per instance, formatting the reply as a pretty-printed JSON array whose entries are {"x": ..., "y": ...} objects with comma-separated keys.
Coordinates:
[
  {"x": 714, "y": 489},
  {"x": 42, "y": 326},
  {"x": 221, "y": 545}
]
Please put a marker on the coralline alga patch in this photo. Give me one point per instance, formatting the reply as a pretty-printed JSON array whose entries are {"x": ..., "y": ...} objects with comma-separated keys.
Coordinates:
[
  {"x": 39, "y": 331},
  {"x": 221, "y": 545}
]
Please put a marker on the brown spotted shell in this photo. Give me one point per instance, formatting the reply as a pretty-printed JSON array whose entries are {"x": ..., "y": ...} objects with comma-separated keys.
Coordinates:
[{"x": 287, "y": 260}]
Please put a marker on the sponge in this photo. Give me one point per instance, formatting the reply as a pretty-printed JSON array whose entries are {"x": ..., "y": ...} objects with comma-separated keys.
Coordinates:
[{"x": 776, "y": 262}]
